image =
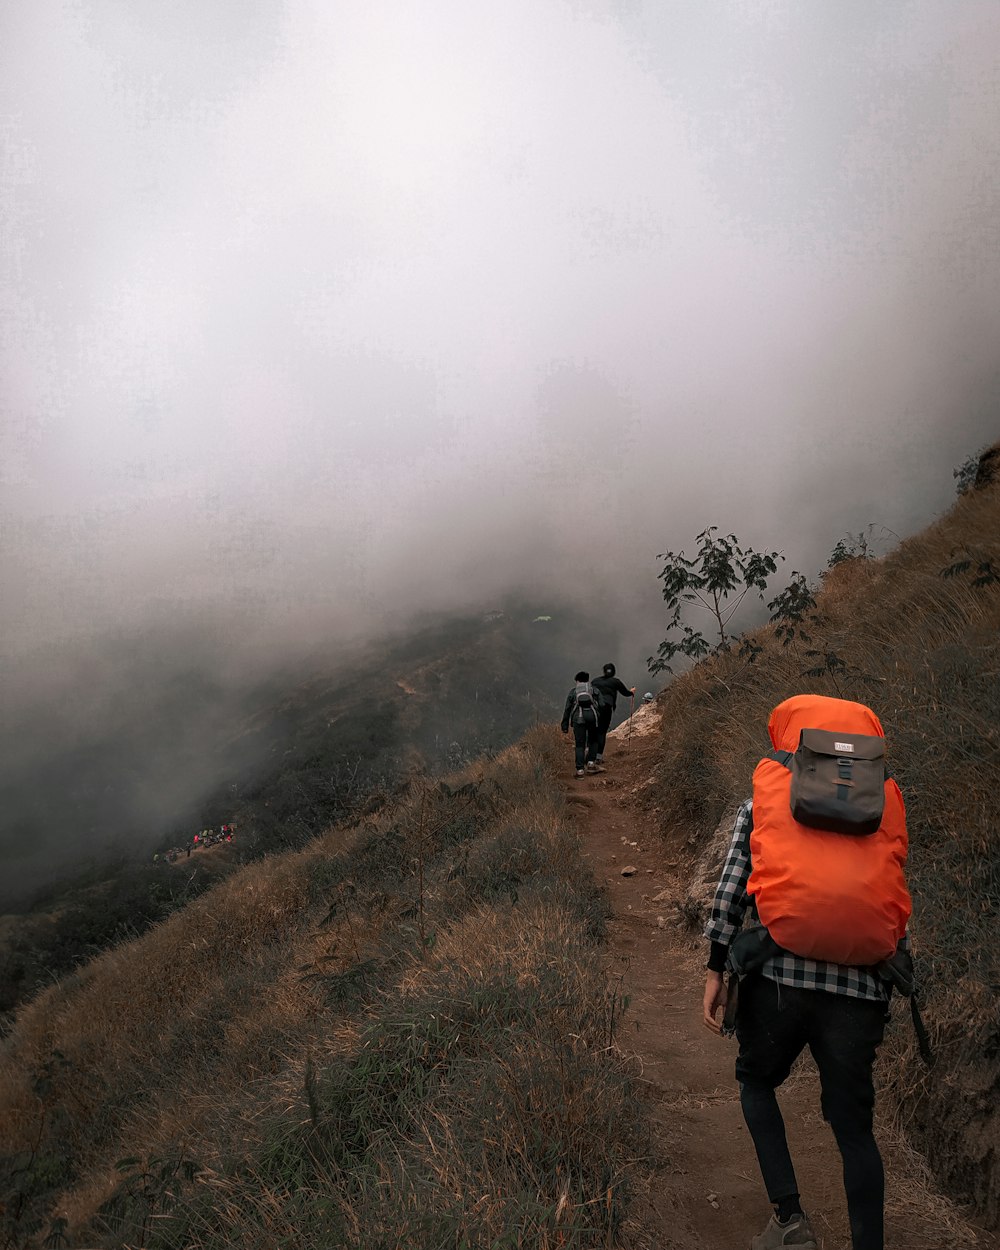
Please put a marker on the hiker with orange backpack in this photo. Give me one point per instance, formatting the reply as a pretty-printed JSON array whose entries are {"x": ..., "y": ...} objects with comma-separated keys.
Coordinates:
[{"x": 809, "y": 918}]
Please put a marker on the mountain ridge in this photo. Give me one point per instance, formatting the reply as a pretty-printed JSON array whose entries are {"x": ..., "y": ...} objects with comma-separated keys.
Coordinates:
[{"x": 226, "y": 1036}]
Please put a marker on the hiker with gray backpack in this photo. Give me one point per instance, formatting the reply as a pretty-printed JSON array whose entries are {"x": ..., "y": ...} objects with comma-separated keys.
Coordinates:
[
  {"x": 582, "y": 711},
  {"x": 809, "y": 919}
]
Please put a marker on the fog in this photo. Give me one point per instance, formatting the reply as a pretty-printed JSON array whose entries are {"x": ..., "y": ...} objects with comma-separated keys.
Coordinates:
[{"x": 319, "y": 316}]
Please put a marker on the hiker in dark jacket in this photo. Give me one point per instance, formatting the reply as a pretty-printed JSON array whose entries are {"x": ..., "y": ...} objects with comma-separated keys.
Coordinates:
[
  {"x": 582, "y": 711},
  {"x": 608, "y": 688}
]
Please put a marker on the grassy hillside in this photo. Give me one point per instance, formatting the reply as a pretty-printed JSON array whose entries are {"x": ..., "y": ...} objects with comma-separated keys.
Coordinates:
[
  {"x": 133, "y": 741},
  {"x": 308, "y": 1054},
  {"x": 338, "y": 739},
  {"x": 917, "y": 637}
]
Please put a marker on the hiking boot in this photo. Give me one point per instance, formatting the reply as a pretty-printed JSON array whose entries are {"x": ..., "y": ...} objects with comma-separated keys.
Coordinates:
[{"x": 797, "y": 1232}]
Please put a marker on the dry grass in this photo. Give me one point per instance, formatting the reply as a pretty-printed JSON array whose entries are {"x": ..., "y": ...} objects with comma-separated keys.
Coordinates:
[
  {"x": 309, "y": 1052},
  {"x": 924, "y": 651},
  {"x": 146, "y": 1031}
]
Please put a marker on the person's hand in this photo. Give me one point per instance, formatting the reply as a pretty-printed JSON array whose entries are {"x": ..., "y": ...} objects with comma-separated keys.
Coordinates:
[{"x": 716, "y": 996}]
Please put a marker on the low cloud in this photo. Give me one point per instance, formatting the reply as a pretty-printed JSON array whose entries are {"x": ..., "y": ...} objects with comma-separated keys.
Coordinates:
[{"x": 317, "y": 318}]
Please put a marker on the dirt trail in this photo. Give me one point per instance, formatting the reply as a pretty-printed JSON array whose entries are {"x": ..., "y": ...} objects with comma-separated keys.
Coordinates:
[{"x": 705, "y": 1191}]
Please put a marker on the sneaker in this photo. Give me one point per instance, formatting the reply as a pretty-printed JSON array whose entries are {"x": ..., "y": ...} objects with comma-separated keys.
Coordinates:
[
  {"x": 797, "y": 1232},
  {"x": 598, "y": 759},
  {"x": 579, "y": 772},
  {"x": 594, "y": 768}
]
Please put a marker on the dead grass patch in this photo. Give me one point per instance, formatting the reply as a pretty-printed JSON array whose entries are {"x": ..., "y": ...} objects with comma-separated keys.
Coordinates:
[{"x": 311, "y": 1050}]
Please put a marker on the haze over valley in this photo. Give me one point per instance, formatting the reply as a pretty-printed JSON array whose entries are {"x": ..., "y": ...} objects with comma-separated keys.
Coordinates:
[{"x": 326, "y": 323}]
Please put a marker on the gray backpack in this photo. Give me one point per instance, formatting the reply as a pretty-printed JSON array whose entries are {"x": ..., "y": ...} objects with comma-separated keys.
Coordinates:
[
  {"x": 838, "y": 781},
  {"x": 586, "y": 702}
]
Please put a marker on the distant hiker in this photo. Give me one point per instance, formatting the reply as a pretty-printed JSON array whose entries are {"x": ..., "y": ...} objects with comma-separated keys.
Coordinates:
[
  {"x": 582, "y": 711},
  {"x": 648, "y": 697},
  {"x": 827, "y": 882},
  {"x": 608, "y": 688}
]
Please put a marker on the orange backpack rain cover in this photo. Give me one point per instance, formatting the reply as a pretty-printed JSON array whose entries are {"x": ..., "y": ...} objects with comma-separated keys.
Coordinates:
[{"x": 829, "y": 896}]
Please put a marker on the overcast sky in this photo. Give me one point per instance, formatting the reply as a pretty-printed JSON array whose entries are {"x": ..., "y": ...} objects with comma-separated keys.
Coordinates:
[{"x": 316, "y": 312}]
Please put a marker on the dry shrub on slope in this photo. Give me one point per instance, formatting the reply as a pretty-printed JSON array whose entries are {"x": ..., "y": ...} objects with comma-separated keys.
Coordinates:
[{"x": 922, "y": 649}]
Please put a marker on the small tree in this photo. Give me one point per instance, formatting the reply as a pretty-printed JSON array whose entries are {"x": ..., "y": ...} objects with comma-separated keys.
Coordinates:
[
  {"x": 717, "y": 579},
  {"x": 790, "y": 609}
]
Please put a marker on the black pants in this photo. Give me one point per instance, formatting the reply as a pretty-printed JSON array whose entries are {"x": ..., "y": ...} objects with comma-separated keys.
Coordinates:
[
  {"x": 603, "y": 725},
  {"x": 774, "y": 1023},
  {"x": 585, "y": 734}
]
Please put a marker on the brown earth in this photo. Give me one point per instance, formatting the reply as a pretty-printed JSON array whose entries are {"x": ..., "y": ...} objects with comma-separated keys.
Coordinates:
[{"x": 702, "y": 1190}]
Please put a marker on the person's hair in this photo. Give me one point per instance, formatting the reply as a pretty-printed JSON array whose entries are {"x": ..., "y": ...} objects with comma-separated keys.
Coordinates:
[
  {"x": 582, "y": 676},
  {"x": 609, "y": 670}
]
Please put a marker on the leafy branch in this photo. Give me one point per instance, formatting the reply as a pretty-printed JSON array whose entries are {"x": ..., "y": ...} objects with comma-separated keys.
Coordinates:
[
  {"x": 789, "y": 609},
  {"x": 716, "y": 579}
]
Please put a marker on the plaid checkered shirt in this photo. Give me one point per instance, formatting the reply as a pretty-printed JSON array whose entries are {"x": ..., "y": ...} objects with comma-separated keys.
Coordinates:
[{"x": 730, "y": 906}]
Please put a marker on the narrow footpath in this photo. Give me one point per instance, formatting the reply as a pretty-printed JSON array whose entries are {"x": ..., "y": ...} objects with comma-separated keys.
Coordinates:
[{"x": 704, "y": 1191}]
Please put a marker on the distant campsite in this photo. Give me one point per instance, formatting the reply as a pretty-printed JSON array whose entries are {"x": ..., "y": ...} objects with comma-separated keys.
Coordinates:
[{"x": 199, "y": 842}]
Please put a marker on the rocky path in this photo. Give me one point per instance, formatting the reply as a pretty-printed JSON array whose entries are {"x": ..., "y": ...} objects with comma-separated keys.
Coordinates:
[{"x": 704, "y": 1190}]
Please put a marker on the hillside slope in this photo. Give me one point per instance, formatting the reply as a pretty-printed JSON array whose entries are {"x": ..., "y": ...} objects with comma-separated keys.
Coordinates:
[
  {"x": 915, "y": 635},
  {"x": 133, "y": 740},
  {"x": 404, "y": 1033},
  {"x": 291, "y": 757},
  {"x": 308, "y": 1054}
]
